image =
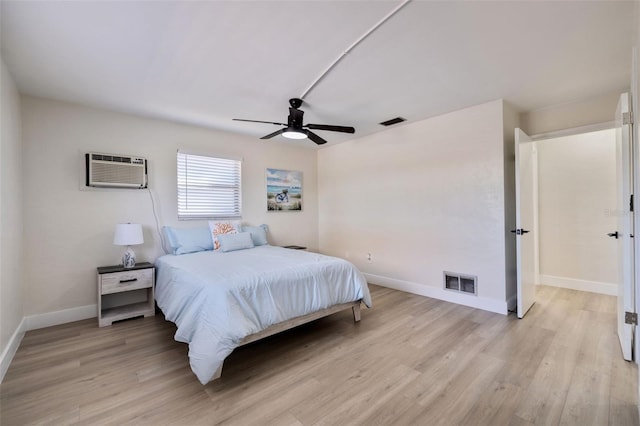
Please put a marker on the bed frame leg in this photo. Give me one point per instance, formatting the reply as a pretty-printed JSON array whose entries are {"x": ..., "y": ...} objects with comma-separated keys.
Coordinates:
[
  {"x": 218, "y": 373},
  {"x": 356, "y": 313}
]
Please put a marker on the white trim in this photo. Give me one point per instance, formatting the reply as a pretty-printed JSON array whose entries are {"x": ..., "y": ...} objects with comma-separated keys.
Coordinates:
[
  {"x": 11, "y": 348},
  {"x": 575, "y": 131},
  {"x": 610, "y": 289},
  {"x": 34, "y": 322},
  {"x": 483, "y": 303}
]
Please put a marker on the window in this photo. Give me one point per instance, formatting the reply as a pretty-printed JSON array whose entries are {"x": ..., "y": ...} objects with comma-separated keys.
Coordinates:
[{"x": 208, "y": 187}]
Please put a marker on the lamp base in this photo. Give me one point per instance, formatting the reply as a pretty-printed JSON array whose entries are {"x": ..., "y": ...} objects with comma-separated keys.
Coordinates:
[{"x": 129, "y": 258}]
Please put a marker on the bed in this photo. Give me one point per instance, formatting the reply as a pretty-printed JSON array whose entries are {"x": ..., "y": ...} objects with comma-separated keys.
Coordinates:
[{"x": 220, "y": 301}]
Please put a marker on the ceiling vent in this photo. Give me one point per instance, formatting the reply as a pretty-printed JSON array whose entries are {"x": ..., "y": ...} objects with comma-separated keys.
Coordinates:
[{"x": 393, "y": 121}]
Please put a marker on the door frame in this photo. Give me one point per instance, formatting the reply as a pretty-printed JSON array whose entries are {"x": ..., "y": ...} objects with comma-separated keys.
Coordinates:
[
  {"x": 635, "y": 158},
  {"x": 540, "y": 137}
]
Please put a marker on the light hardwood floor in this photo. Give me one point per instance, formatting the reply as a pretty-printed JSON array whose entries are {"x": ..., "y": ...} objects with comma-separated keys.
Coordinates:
[{"x": 411, "y": 360}]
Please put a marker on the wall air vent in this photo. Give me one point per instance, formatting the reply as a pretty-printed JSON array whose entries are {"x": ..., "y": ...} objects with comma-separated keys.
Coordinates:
[
  {"x": 393, "y": 121},
  {"x": 115, "y": 171},
  {"x": 462, "y": 283}
]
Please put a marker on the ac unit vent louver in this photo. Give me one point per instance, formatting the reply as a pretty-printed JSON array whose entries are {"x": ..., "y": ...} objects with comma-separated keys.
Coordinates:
[{"x": 116, "y": 171}]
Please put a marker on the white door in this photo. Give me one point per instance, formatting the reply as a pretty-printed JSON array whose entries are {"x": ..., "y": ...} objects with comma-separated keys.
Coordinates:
[
  {"x": 525, "y": 220},
  {"x": 625, "y": 226}
]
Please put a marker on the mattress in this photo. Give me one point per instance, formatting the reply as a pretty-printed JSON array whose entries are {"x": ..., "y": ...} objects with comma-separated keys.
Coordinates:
[{"x": 216, "y": 299}]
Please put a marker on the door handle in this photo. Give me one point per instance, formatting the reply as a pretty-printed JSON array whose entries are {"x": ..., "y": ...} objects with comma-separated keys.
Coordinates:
[
  {"x": 614, "y": 235},
  {"x": 520, "y": 231}
]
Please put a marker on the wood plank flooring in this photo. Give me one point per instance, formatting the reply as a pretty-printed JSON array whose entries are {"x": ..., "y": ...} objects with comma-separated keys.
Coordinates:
[{"x": 411, "y": 360}]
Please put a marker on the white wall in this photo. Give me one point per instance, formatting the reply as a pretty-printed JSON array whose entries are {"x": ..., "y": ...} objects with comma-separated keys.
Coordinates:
[
  {"x": 422, "y": 198},
  {"x": 577, "y": 208},
  {"x": 70, "y": 228},
  {"x": 572, "y": 115},
  {"x": 11, "y": 265}
]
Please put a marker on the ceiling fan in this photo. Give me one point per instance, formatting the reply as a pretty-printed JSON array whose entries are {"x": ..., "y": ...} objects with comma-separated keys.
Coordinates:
[{"x": 294, "y": 129}]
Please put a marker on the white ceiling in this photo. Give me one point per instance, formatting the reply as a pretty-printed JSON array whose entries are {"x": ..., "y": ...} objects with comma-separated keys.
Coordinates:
[{"x": 205, "y": 63}]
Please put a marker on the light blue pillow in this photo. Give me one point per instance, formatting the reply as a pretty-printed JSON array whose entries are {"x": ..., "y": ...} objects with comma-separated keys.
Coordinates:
[
  {"x": 188, "y": 240},
  {"x": 232, "y": 242},
  {"x": 258, "y": 234}
]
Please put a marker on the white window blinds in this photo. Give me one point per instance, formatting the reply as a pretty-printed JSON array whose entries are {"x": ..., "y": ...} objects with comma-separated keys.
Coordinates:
[{"x": 208, "y": 187}]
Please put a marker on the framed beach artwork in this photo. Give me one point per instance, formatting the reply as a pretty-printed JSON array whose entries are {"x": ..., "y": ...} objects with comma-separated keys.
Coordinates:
[{"x": 284, "y": 190}]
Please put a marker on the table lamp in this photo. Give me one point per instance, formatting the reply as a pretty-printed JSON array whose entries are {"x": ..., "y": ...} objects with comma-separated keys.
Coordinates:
[{"x": 128, "y": 234}]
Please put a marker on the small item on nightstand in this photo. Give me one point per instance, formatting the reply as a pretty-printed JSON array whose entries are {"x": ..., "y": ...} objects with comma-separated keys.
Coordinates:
[{"x": 128, "y": 234}]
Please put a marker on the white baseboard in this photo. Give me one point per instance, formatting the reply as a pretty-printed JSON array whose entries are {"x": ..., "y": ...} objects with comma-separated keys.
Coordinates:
[
  {"x": 12, "y": 347},
  {"x": 34, "y": 322},
  {"x": 483, "y": 303},
  {"x": 573, "y": 284}
]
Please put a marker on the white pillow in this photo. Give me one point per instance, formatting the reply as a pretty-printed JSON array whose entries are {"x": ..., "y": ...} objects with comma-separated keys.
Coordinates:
[{"x": 232, "y": 242}]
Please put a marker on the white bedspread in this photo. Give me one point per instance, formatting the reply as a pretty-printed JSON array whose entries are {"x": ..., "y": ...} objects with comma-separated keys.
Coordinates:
[{"x": 216, "y": 299}]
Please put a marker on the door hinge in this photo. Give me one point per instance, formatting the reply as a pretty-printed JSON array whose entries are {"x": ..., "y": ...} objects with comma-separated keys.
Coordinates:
[
  {"x": 627, "y": 118},
  {"x": 631, "y": 203},
  {"x": 631, "y": 318}
]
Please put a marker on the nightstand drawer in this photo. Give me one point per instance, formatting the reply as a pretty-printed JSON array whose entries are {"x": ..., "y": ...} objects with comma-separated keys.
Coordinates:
[{"x": 127, "y": 280}]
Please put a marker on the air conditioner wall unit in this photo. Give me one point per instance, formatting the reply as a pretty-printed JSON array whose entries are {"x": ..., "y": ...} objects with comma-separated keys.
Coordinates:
[{"x": 115, "y": 171}]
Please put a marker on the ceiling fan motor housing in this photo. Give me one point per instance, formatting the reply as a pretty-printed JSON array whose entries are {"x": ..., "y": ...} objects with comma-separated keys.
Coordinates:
[{"x": 295, "y": 118}]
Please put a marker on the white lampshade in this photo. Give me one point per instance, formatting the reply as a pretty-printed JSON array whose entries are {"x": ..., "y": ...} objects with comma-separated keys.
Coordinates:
[{"x": 128, "y": 234}]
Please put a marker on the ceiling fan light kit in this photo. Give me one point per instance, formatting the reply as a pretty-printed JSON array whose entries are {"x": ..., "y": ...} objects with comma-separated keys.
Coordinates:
[{"x": 290, "y": 133}]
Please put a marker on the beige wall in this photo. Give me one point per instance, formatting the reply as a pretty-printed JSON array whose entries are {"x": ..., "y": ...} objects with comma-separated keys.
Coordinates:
[
  {"x": 70, "y": 229},
  {"x": 11, "y": 265},
  {"x": 422, "y": 198},
  {"x": 577, "y": 208},
  {"x": 588, "y": 112}
]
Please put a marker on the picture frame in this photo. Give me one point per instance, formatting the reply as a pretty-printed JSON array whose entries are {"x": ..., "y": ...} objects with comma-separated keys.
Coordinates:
[{"x": 284, "y": 190}]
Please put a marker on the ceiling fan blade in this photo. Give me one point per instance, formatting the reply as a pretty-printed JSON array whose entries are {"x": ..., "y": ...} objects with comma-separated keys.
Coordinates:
[
  {"x": 270, "y": 135},
  {"x": 331, "y": 128},
  {"x": 258, "y": 121},
  {"x": 317, "y": 139}
]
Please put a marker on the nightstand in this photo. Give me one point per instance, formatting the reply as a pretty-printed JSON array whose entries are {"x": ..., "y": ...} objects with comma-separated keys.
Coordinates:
[{"x": 116, "y": 282}]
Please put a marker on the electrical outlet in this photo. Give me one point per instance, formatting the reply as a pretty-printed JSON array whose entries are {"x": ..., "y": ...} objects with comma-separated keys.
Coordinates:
[{"x": 369, "y": 257}]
